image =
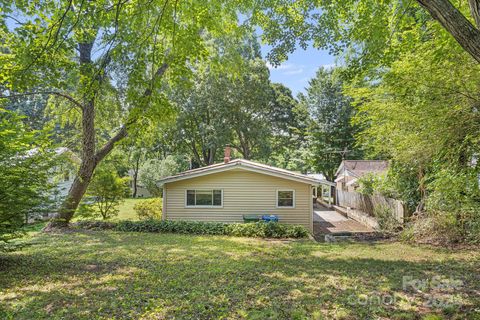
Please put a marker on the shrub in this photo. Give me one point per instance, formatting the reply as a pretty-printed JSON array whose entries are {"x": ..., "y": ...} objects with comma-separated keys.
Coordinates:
[
  {"x": 95, "y": 225},
  {"x": 104, "y": 194},
  {"x": 453, "y": 205},
  {"x": 265, "y": 230},
  {"x": 386, "y": 220},
  {"x": 149, "y": 209},
  {"x": 257, "y": 230}
]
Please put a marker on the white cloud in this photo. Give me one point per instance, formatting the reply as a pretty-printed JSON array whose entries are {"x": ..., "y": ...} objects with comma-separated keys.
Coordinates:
[
  {"x": 287, "y": 68},
  {"x": 328, "y": 66},
  {"x": 270, "y": 66},
  {"x": 294, "y": 71}
]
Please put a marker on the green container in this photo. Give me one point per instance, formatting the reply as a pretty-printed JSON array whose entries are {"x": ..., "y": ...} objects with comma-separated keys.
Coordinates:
[{"x": 251, "y": 218}]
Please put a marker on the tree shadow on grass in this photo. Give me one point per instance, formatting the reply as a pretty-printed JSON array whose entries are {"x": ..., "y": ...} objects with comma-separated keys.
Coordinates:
[{"x": 124, "y": 275}]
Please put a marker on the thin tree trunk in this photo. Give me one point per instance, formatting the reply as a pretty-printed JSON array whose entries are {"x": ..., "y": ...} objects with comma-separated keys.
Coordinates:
[
  {"x": 135, "y": 177},
  {"x": 456, "y": 23},
  {"x": 195, "y": 152}
]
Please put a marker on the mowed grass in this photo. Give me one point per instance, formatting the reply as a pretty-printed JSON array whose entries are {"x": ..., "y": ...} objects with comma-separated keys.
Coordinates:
[
  {"x": 113, "y": 275},
  {"x": 126, "y": 211}
]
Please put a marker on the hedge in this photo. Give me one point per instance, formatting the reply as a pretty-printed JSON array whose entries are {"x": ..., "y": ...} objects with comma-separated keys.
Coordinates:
[
  {"x": 257, "y": 230},
  {"x": 95, "y": 225}
]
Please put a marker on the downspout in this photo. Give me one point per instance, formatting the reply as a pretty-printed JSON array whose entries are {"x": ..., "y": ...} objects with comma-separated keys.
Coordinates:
[{"x": 311, "y": 210}]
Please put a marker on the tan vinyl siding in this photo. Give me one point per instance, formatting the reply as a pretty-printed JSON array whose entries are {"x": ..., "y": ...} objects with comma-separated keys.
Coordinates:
[{"x": 244, "y": 192}]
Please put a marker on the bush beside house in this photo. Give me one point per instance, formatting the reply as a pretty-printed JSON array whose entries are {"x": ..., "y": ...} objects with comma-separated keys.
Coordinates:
[
  {"x": 255, "y": 230},
  {"x": 149, "y": 209}
]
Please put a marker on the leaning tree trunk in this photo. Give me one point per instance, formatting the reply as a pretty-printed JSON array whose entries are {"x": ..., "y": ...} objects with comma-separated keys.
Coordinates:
[
  {"x": 84, "y": 175},
  {"x": 91, "y": 157},
  {"x": 88, "y": 163},
  {"x": 466, "y": 34}
]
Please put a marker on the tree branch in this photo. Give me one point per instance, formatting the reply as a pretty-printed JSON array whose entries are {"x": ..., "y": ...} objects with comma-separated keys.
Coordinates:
[
  {"x": 456, "y": 24},
  {"x": 475, "y": 11},
  {"x": 107, "y": 147},
  {"x": 56, "y": 93}
]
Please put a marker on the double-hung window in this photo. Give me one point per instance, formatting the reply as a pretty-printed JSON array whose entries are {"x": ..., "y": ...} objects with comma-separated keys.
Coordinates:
[
  {"x": 204, "y": 198},
  {"x": 285, "y": 198}
]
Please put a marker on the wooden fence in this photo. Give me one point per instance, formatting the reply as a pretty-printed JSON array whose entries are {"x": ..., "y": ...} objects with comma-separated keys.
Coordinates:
[{"x": 367, "y": 204}]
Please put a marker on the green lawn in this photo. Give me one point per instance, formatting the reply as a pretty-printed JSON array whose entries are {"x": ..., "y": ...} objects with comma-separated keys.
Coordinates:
[
  {"x": 110, "y": 275},
  {"x": 126, "y": 211}
]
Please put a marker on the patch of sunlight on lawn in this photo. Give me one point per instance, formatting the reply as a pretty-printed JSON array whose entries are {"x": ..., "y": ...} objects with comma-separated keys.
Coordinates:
[
  {"x": 126, "y": 211},
  {"x": 121, "y": 275}
]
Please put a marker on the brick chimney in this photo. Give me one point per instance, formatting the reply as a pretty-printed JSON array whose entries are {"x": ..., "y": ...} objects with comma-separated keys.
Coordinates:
[{"x": 226, "y": 158}]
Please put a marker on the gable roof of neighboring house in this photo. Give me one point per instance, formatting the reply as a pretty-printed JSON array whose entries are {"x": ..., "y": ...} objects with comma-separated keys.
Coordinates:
[
  {"x": 248, "y": 166},
  {"x": 358, "y": 168},
  {"x": 69, "y": 153},
  {"x": 60, "y": 151}
]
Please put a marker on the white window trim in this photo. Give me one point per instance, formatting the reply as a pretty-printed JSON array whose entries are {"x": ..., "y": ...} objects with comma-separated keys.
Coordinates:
[
  {"x": 206, "y": 206},
  {"x": 283, "y": 207}
]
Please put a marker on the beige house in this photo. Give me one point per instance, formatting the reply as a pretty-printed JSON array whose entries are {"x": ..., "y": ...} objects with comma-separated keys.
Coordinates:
[
  {"x": 350, "y": 171},
  {"x": 225, "y": 192}
]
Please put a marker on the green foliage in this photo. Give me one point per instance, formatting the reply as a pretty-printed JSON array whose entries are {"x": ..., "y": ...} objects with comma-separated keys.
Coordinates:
[
  {"x": 24, "y": 175},
  {"x": 261, "y": 120},
  {"x": 454, "y": 202},
  {"x": 290, "y": 123},
  {"x": 224, "y": 107},
  {"x": 153, "y": 170},
  {"x": 149, "y": 209},
  {"x": 366, "y": 34},
  {"x": 266, "y": 230},
  {"x": 104, "y": 194},
  {"x": 331, "y": 131},
  {"x": 257, "y": 230},
  {"x": 412, "y": 116},
  {"x": 95, "y": 225},
  {"x": 386, "y": 220},
  {"x": 106, "y": 67},
  {"x": 369, "y": 183}
]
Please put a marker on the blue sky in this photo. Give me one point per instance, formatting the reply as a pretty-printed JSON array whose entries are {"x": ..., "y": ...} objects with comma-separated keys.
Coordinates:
[{"x": 299, "y": 68}]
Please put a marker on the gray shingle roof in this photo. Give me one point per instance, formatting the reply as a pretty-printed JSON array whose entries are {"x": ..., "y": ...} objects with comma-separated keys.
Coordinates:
[
  {"x": 246, "y": 164},
  {"x": 362, "y": 167}
]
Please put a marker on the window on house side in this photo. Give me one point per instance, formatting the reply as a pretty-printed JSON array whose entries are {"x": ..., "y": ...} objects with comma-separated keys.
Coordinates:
[
  {"x": 204, "y": 198},
  {"x": 285, "y": 198}
]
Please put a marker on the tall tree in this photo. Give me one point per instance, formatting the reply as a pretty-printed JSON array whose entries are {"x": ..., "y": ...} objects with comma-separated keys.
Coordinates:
[
  {"x": 424, "y": 116},
  {"x": 227, "y": 106},
  {"x": 290, "y": 121},
  {"x": 104, "y": 65},
  {"x": 332, "y": 132},
  {"x": 201, "y": 128},
  {"x": 248, "y": 107}
]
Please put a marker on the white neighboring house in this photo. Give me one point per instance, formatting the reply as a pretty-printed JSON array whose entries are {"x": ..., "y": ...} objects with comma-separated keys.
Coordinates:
[
  {"x": 61, "y": 176},
  {"x": 63, "y": 173},
  {"x": 350, "y": 171}
]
